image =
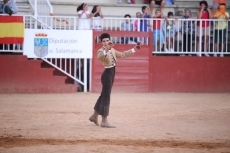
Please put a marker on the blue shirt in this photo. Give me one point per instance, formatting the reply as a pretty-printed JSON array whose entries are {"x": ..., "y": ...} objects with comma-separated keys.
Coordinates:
[
  {"x": 169, "y": 2},
  {"x": 127, "y": 27},
  {"x": 144, "y": 23}
]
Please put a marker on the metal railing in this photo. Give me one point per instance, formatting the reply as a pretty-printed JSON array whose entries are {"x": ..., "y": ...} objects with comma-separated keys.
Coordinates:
[{"x": 183, "y": 42}]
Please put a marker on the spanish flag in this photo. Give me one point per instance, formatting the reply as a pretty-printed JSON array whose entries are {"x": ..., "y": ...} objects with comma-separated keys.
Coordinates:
[{"x": 11, "y": 30}]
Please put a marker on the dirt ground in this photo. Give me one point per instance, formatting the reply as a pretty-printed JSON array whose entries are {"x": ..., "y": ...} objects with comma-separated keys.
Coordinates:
[{"x": 145, "y": 123}]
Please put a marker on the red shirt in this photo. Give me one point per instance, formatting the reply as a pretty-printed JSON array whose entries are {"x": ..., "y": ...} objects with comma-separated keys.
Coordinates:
[
  {"x": 205, "y": 15},
  {"x": 157, "y": 23}
]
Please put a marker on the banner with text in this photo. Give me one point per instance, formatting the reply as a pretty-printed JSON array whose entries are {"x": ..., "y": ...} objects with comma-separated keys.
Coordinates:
[{"x": 39, "y": 43}]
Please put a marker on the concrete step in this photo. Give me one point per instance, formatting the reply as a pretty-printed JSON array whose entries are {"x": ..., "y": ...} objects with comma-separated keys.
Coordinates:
[
  {"x": 193, "y": 2},
  {"x": 24, "y": 7},
  {"x": 69, "y": 9},
  {"x": 99, "y": 2}
]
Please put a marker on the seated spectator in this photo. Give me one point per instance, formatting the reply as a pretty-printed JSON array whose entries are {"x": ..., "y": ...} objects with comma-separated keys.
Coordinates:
[
  {"x": 219, "y": 2},
  {"x": 157, "y": 30},
  {"x": 96, "y": 15},
  {"x": 203, "y": 28},
  {"x": 136, "y": 25},
  {"x": 220, "y": 29},
  {"x": 127, "y": 26},
  {"x": 8, "y": 7},
  {"x": 84, "y": 15},
  {"x": 128, "y": 1},
  {"x": 169, "y": 2},
  {"x": 187, "y": 31},
  {"x": 215, "y": 8},
  {"x": 152, "y": 3},
  {"x": 170, "y": 31}
]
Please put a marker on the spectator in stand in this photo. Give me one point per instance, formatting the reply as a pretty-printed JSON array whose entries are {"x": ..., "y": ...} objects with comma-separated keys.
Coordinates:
[
  {"x": 169, "y": 2},
  {"x": 219, "y": 2},
  {"x": 127, "y": 26},
  {"x": 8, "y": 7},
  {"x": 203, "y": 27},
  {"x": 158, "y": 31},
  {"x": 84, "y": 15},
  {"x": 187, "y": 31},
  {"x": 170, "y": 31},
  {"x": 145, "y": 22},
  {"x": 96, "y": 15},
  {"x": 152, "y": 3},
  {"x": 136, "y": 25},
  {"x": 215, "y": 8},
  {"x": 128, "y": 1},
  {"x": 220, "y": 29}
]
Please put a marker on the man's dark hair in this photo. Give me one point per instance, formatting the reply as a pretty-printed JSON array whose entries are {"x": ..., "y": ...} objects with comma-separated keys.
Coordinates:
[
  {"x": 204, "y": 2},
  {"x": 127, "y": 15},
  {"x": 170, "y": 14},
  {"x": 143, "y": 8},
  {"x": 104, "y": 35}
]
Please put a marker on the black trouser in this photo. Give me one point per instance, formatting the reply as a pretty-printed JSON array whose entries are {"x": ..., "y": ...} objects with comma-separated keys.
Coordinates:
[
  {"x": 103, "y": 102},
  {"x": 187, "y": 42}
]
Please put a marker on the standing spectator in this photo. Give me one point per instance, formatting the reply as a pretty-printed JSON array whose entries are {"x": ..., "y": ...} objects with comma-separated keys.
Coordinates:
[
  {"x": 187, "y": 31},
  {"x": 84, "y": 15},
  {"x": 126, "y": 26},
  {"x": 220, "y": 28},
  {"x": 170, "y": 31},
  {"x": 145, "y": 22},
  {"x": 8, "y": 7},
  {"x": 203, "y": 13},
  {"x": 157, "y": 30},
  {"x": 96, "y": 15},
  {"x": 136, "y": 22},
  {"x": 152, "y": 3}
]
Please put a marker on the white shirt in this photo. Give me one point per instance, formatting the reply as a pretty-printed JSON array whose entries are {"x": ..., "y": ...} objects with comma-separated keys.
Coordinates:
[
  {"x": 96, "y": 22},
  {"x": 84, "y": 21}
]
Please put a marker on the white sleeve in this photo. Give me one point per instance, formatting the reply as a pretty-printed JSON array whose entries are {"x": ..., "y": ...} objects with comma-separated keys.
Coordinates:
[
  {"x": 104, "y": 52},
  {"x": 79, "y": 12},
  {"x": 133, "y": 50}
]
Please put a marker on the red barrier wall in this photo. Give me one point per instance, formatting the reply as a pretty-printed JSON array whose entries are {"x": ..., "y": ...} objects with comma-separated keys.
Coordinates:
[
  {"x": 191, "y": 74},
  {"x": 20, "y": 75}
]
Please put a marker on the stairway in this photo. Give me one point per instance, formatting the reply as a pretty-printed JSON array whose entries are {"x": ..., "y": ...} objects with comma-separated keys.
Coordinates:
[
  {"x": 20, "y": 75},
  {"x": 24, "y": 7}
]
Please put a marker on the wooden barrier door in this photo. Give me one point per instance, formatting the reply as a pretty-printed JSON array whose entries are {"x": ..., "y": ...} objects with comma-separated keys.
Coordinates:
[{"x": 133, "y": 74}]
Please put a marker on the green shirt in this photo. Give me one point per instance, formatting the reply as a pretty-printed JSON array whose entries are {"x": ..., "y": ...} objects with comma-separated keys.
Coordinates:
[{"x": 221, "y": 22}]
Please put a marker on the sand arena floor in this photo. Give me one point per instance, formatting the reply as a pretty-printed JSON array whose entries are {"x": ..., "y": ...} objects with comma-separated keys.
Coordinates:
[{"x": 146, "y": 123}]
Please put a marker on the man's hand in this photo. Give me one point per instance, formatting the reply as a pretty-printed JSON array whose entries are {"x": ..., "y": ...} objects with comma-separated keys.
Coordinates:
[
  {"x": 109, "y": 46},
  {"x": 138, "y": 46}
]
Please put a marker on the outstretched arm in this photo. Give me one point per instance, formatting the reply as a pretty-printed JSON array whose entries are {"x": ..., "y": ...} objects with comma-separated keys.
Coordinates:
[{"x": 129, "y": 52}]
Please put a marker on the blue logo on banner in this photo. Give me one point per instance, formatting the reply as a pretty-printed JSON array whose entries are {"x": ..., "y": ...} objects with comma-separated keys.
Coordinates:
[{"x": 41, "y": 47}]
